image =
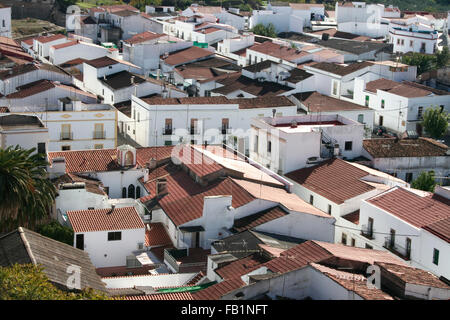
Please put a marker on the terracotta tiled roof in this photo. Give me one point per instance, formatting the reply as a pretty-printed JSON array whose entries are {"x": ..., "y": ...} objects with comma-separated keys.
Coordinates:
[
  {"x": 240, "y": 267},
  {"x": 340, "y": 69},
  {"x": 440, "y": 229},
  {"x": 4, "y": 110},
  {"x": 187, "y": 55},
  {"x": 279, "y": 51},
  {"x": 92, "y": 185},
  {"x": 65, "y": 45},
  {"x": 105, "y": 219},
  {"x": 266, "y": 102},
  {"x": 88, "y": 160},
  {"x": 405, "y": 89},
  {"x": 251, "y": 86},
  {"x": 352, "y": 217},
  {"x": 334, "y": 179},
  {"x": 45, "y": 39},
  {"x": 353, "y": 282},
  {"x": 298, "y": 257},
  {"x": 256, "y": 219},
  {"x": 390, "y": 148},
  {"x": 163, "y": 296},
  {"x": 157, "y": 235},
  {"x": 18, "y": 70},
  {"x": 412, "y": 275},
  {"x": 316, "y": 102},
  {"x": 410, "y": 207},
  {"x": 32, "y": 89},
  {"x": 161, "y": 153},
  {"x": 144, "y": 36},
  {"x": 102, "y": 62},
  {"x": 216, "y": 291},
  {"x": 198, "y": 163}
]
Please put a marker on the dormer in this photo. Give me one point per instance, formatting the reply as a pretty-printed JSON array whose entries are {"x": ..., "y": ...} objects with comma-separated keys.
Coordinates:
[{"x": 126, "y": 155}]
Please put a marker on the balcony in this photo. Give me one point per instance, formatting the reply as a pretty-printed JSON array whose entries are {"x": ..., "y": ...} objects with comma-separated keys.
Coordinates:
[
  {"x": 168, "y": 131},
  {"x": 393, "y": 247},
  {"x": 66, "y": 136},
  {"x": 99, "y": 135},
  {"x": 194, "y": 130},
  {"x": 225, "y": 130},
  {"x": 367, "y": 232}
]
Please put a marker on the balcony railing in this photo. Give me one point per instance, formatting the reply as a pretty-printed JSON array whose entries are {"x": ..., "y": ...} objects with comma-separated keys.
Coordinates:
[
  {"x": 99, "y": 134},
  {"x": 367, "y": 232},
  {"x": 393, "y": 247},
  {"x": 66, "y": 136},
  {"x": 167, "y": 131}
]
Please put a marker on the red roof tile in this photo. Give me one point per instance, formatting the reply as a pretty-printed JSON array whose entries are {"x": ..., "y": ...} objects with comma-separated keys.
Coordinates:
[
  {"x": 157, "y": 235},
  {"x": 32, "y": 89},
  {"x": 405, "y": 89},
  {"x": 410, "y": 207},
  {"x": 440, "y": 229},
  {"x": 144, "y": 36},
  {"x": 65, "y": 45},
  {"x": 101, "y": 62},
  {"x": 334, "y": 179},
  {"x": 256, "y": 219},
  {"x": 105, "y": 219},
  {"x": 216, "y": 291},
  {"x": 88, "y": 160},
  {"x": 240, "y": 267},
  {"x": 197, "y": 162},
  {"x": 163, "y": 296},
  {"x": 317, "y": 102},
  {"x": 279, "y": 51},
  {"x": 187, "y": 55},
  {"x": 45, "y": 39}
]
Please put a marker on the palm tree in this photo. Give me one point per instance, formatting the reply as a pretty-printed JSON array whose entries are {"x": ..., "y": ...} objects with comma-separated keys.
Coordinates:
[{"x": 26, "y": 193}]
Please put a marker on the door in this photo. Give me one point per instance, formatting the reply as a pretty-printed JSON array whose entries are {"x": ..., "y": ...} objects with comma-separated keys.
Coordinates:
[
  {"x": 408, "y": 248},
  {"x": 392, "y": 239},
  {"x": 80, "y": 241},
  {"x": 197, "y": 239},
  {"x": 380, "y": 122}
]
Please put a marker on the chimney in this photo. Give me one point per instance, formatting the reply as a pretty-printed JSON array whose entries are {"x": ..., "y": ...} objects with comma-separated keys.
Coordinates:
[
  {"x": 59, "y": 165},
  {"x": 161, "y": 187},
  {"x": 152, "y": 163},
  {"x": 113, "y": 206}
]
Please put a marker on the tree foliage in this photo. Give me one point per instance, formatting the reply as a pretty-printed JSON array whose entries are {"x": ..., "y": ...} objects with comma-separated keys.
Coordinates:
[
  {"x": 425, "y": 181},
  {"x": 262, "y": 30},
  {"x": 435, "y": 122},
  {"x": 29, "y": 282},
  {"x": 26, "y": 193},
  {"x": 443, "y": 58},
  {"x": 427, "y": 62},
  {"x": 56, "y": 231}
]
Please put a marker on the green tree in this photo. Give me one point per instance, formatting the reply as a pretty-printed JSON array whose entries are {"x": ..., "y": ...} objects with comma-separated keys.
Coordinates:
[
  {"x": 443, "y": 58},
  {"x": 56, "y": 231},
  {"x": 424, "y": 62},
  {"x": 425, "y": 181},
  {"x": 435, "y": 122},
  {"x": 29, "y": 282},
  {"x": 26, "y": 193},
  {"x": 262, "y": 30}
]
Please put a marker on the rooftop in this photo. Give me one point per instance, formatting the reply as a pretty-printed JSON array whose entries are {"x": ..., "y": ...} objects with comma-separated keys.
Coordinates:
[
  {"x": 316, "y": 102},
  {"x": 101, "y": 62},
  {"x": 339, "y": 69},
  {"x": 19, "y": 122},
  {"x": 279, "y": 51},
  {"x": 253, "y": 87},
  {"x": 187, "y": 55},
  {"x": 46, "y": 39},
  {"x": 122, "y": 79},
  {"x": 334, "y": 179},
  {"x": 105, "y": 219},
  {"x": 405, "y": 89},
  {"x": 143, "y": 37},
  {"x": 259, "y": 218},
  {"x": 25, "y": 246},
  {"x": 414, "y": 209},
  {"x": 392, "y": 148}
]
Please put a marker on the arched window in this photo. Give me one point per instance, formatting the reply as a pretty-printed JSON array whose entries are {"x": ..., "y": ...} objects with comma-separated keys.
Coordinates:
[
  {"x": 129, "y": 158},
  {"x": 138, "y": 192},
  {"x": 124, "y": 192},
  {"x": 131, "y": 193}
]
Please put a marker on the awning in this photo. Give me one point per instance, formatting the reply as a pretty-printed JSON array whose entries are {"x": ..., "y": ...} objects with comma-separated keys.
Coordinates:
[{"x": 192, "y": 229}]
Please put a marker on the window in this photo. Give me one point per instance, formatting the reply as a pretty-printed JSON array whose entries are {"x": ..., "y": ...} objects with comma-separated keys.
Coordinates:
[
  {"x": 115, "y": 236},
  {"x": 348, "y": 145},
  {"x": 411, "y": 43},
  {"x": 194, "y": 126},
  {"x": 344, "y": 239},
  {"x": 134, "y": 114},
  {"x": 132, "y": 262},
  {"x": 3, "y": 24},
  {"x": 65, "y": 148},
  {"x": 41, "y": 147},
  {"x": 419, "y": 112},
  {"x": 79, "y": 241},
  {"x": 353, "y": 242},
  {"x": 392, "y": 239},
  {"x": 106, "y": 190},
  {"x": 168, "y": 142},
  {"x": 398, "y": 41},
  {"x": 382, "y": 103},
  {"x": 98, "y": 146},
  {"x": 269, "y": 146},
  {"x": 139, "y": 117},
  {"x": 408, "y": 248},
  {"x": 408, "y": 177},
  {"x": 98, "y": 131},
  {"x": 131, "y": 193},
  {"x": 335, "y": 88},
  {"x": 124, "y": 192},
  {"x": 380, "y": 120},
  {"x": 311, "y": 199},
  {"x": 129, "y": 158},
  {"x": 168, "y": 126},
  {"x": 255, "y": 148},
  {"x": 435, "y": 256},
  {"x": 207, "y": 93},
  {"x": 329, "y": 209},
  {"x": 367, "y": 101},
  {"x": 138, "y": 192},
  {"x": 368, "y": 246},
  {"x": 360, "y": 118},
  {"x": 65, "y": 132}
]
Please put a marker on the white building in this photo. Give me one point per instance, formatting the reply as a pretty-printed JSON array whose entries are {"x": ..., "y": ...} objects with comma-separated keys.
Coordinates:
[
  {"x": 407, "y": 158},
  {"x": 5, "y": 21},
  {"x": 361, "y": 18},
  {"x": 235, "y": 48},
  {"x": 74, "y": 125},
  {"x": 108, "y": 235},
  {"x": 75, "y": 49},
  {"x": 413, "y": 37},
  {"x": 145, "y": 49},
  {"x": 42, "y": 45},
  {"x": 25, "y": 131},
  {"x": 275, "y": 141},
  {"x": 399, "y": 106},
  {"x": 200, "y": 119},
  {"x": 411, "y": 224}
]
